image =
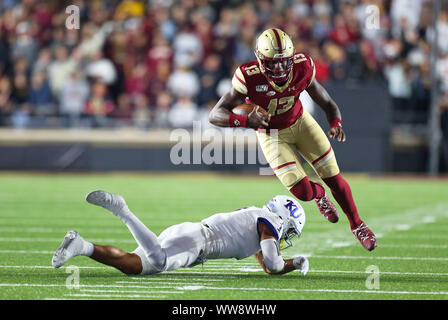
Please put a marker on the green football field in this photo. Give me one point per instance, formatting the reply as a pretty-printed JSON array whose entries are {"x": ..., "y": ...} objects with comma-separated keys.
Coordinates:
[{"x": 409, "y": 216}]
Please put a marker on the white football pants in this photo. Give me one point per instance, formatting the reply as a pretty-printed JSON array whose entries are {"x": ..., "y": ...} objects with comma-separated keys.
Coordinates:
[{"x": 177, "y": 246}]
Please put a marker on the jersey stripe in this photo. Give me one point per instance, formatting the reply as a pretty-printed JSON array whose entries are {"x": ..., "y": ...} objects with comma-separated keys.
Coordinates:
[
  {"x": 314, "y": 71},
  {"x": 238, "y": 86},
  {"x": 238, "y": 82},
  {"x": 239, "y": 74}
]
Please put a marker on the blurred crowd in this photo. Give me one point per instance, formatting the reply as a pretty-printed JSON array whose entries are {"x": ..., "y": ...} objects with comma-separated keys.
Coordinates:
[{"x": 165, "y": 63}]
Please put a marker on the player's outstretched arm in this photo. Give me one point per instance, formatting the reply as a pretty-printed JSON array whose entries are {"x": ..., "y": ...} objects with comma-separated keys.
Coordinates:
[
  {"x": 288, "y": 267},
  {"x": 318, "y": 93},
  {"x": 220, "y": 114},
  {"x": 269, "y": 257}
]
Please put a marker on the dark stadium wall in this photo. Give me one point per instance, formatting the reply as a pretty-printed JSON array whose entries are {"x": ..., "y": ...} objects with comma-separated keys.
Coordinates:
[{"x": 366, "y": 120}]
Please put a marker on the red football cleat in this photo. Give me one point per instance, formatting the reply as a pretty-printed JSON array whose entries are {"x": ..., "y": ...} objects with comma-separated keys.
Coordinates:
[
  {"x": 327, "y": 208},
  {"x": 365, "y": 236}
]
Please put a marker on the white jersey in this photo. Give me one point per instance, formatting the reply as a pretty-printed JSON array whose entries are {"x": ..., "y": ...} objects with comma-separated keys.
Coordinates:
[
  {"x": 223, "y": 235},
  {"x": 236, "y": 233}
]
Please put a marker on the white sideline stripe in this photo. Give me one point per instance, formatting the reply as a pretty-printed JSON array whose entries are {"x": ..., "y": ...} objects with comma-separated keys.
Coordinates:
[
  {"x": 418, "y": 246},
  {"x": 189, "y": 276},
  {"x": 112, "y": 296},
  {"x": 164, "y": 283},
  {"x": 407, "y": 236},
  {"x": 236, "y": 266},
  {"x": 27, "y": 251},
  {"x": 84, "y": 286},
  {"x": 62, "y": 230},
  {"x": 15, "y": 239},
  {"x": 148, "y": 279},
  {"x": 203, "y": 272},
  {"x": 234, "y": 289},
  {"x": 380, "y": 258},
  {"x": 336, "y": 291},
  {"x": 143, "y": 277},
  {"x": 382, "y": 272},
  {"x": 132, "y": 291},
  {"x": 308, "y": 255},
  {"x": 177, "y": 279},
  {"x": 50, "y": 267}
]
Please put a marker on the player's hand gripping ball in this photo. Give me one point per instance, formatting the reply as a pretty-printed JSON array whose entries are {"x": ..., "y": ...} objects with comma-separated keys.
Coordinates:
[{"x": 257, "y": 116}]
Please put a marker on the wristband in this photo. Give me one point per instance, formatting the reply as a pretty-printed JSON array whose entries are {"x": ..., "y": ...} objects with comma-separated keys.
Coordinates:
[
  {"x": 297, "y": 262},
  {"x": 336, "y": 123},
  {"x": 236, "y": 120}
]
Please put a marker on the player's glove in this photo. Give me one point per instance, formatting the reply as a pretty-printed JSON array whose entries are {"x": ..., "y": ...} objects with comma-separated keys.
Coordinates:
[{"x": 302, "y": 264}]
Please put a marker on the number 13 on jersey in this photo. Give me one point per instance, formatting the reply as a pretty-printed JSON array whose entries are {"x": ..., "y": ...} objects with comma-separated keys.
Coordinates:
[{"x": 278, "y": 106}]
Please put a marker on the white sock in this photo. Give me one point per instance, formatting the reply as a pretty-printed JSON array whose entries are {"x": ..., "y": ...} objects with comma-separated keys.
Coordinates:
[
  {"x": 86, "y": 248},
  {"x": 144, "y": 237}
]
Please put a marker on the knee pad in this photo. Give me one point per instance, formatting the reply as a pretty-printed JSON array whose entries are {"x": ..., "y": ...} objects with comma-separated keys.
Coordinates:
[
  {"x": 289, "y": 179},
  {"x": 157, "y": 260},
  {"x": 153, "y": 263}
]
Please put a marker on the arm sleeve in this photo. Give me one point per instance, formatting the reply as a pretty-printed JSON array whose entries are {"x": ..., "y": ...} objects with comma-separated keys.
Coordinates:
[{"x": 271, "y": 255}]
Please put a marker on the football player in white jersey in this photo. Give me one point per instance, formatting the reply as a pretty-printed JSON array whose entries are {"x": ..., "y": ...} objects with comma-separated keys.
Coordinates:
[{"x": 238, "y": 234}]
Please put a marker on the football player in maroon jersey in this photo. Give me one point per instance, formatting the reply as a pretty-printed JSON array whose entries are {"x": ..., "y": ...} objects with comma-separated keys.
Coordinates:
[{"x": 274, "y": 82}]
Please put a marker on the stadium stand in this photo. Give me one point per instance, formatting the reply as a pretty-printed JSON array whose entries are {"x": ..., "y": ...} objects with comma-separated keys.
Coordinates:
[{"x": 161, "y": 64}]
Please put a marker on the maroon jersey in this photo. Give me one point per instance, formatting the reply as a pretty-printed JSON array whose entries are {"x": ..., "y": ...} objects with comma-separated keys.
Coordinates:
[{"x": 282, "y": 103}]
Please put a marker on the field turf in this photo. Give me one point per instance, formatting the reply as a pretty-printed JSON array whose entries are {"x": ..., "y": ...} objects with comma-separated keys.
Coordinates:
[{"x": 409, "y": 216}]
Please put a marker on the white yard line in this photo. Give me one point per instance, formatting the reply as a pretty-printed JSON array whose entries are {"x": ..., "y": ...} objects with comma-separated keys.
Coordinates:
[
  {"x": 164, "y": 277},
  {"x": 411, "y": 236},
  {"x": 150, "y": 290},
  {"x": 59, "y": 239},
  {"x": 62, "y": 230},
  {"x": 334, "y": 244},
  {"x": 329, "y": 290},
  {"x": 48, "y": 267},
  {"x": 416, "y": 246},
  {"x": 379, "y": 258},
  {"x": 381, "y": 272},
  {"x": 42, "y": 285},
  {"x": 168, "y": 283},
  {"x": 224, "y": 288},
  {"x": 199, "y": 271},
  {"x": 83, "y": 295},
  {"x": 150, "y": 279},
  {"x": 27, "y": 251},
  {"x": 308, "y": 255}
]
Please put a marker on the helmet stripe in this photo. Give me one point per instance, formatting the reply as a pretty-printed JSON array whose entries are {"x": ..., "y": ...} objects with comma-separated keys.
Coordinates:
[{"x": 279, "y": 42}]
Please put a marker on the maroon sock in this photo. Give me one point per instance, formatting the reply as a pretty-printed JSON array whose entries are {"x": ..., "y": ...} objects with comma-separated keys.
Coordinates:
[
  {"x": 343, "y": 194},
  {"x": 307, "y": 190}
]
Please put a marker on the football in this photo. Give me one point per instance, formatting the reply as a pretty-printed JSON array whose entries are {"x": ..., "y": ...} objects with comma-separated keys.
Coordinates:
[{"x": 245, "y": 109}]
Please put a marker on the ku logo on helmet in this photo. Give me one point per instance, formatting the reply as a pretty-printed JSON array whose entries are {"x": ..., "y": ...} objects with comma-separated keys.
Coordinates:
[{"x": 292, "y": 208}]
